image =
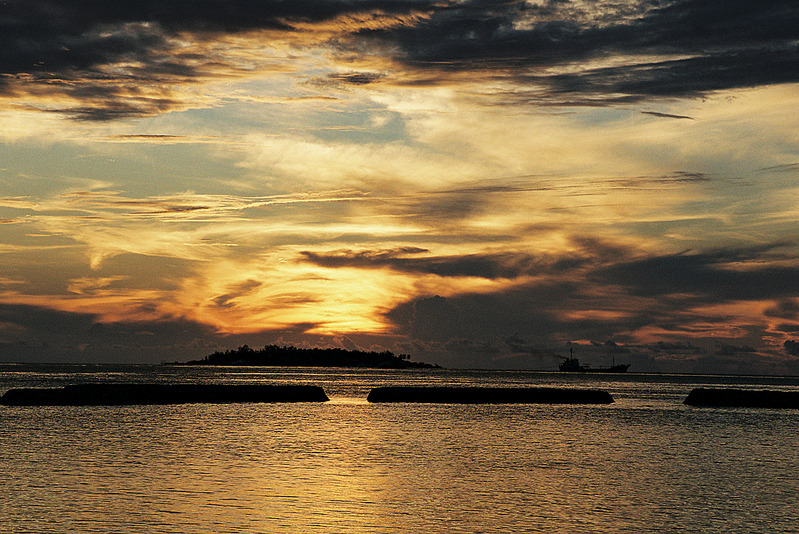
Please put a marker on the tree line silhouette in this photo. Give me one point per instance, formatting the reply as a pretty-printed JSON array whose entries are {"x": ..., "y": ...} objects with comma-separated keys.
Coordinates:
[{"x": 289, "y": 356}]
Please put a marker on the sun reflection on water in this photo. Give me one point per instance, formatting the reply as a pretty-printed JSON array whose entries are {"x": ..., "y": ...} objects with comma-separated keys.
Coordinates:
[{"x": 348, "y": 466}]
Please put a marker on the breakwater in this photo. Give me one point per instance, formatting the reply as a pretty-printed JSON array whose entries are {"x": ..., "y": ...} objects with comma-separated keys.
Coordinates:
[{"x": 124, "y": 394}]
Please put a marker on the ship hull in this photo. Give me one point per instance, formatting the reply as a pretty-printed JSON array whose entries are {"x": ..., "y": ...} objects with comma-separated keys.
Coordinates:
[
  {"x": 581, "y": 369},
  {"x": 572, "y": 365}
]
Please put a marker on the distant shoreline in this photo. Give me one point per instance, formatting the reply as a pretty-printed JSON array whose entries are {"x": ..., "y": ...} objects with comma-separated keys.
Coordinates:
[{"x": 289, "y": 356}]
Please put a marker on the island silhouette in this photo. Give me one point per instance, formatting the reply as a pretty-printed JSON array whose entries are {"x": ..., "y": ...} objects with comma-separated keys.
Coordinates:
[{"x": 290, "y": 356}]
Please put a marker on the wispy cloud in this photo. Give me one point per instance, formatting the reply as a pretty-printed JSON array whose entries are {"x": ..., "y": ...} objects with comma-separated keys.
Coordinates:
[{"x": 666, "y": 115}]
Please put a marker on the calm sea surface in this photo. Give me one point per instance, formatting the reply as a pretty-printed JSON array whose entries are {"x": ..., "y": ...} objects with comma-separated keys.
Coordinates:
[{"x": 646, "y": 463}]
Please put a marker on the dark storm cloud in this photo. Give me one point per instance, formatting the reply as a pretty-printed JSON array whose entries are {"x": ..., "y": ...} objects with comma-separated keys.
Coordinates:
[
  {"x": 29, "y": 333},
  {"x": 677, "y": 78},
  {"x": 785, "y": 309},
  {"x": 121, "y": 58},
  {"x": 604, "y": 300},
  {"x": 791, "y": 347},
  {"x": 490, "y": 266},
  {"x": 118, "y": 105},
  {"x": 35, "y": 334},
  {"x": 708, "y": 277},
  {"x": 539, "y": 309},
  {"x": 65, "y": 47},
  {"x": 523, "y": 328},
  {"x": 787, "y": 328},
  {"x": 59, "y": 35},
  {"x": 483, "y": 317},
  {"x": 663, "y": 347},
  {"x": 725, "y": 349},
  {"x": 680, "y": 48}
]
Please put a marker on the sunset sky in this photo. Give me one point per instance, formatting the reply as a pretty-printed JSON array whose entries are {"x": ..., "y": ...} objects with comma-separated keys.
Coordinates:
[{"x": 474, "y": 183}]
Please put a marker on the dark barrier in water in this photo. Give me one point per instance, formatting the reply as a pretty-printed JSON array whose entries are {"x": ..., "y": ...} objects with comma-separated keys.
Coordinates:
[
  {"x": 484, "y": 395},
  {"x": 743, "y": 398},
  {"x": 120, "y": 394}
]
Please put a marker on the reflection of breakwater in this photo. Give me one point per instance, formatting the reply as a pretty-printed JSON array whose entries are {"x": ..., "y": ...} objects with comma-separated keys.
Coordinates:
[
  {"x": 740, "y": 398},
  {"x": 488, "y": 395},
  {"x": 125, "y": 394}
]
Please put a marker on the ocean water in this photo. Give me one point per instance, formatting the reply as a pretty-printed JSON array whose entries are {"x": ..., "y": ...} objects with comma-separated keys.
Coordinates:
[{"x": 646, "y": 463}]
